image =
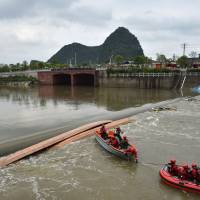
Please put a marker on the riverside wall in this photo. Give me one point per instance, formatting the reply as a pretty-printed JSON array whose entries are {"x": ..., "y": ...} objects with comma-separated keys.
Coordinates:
[
  {"x": 138, "y": 82},
  {"x": 148, "y": 80}
]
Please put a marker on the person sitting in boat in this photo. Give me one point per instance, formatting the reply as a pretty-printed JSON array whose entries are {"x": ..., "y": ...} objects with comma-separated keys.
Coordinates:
[
  {"x": 198, "y": 176},
  {"x": 173, "y": 169},
  {"x": 187, "y": 171},
  {"x": 103, "y": 132},
  {"x": 114, "y": 142},
  {"x": 183, "y": 172},
  {"x": 194, "y": 172},
  {"x": 124, "y": 143},
  {"x": 117, "y": 134},
  {"x": 133, "y": 151}
]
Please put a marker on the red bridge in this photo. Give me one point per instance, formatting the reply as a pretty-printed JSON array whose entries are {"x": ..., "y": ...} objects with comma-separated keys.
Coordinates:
[{"x": 69, "y": 76}]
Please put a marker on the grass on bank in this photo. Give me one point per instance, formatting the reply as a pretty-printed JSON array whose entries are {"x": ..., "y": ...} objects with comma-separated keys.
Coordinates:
[{"x": 18, "y": 79}]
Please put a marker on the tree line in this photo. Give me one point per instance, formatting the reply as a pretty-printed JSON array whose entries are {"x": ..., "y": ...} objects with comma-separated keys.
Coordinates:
[
  {"x": 182, "y": 62},
  {"x": 137, "y": 61}
]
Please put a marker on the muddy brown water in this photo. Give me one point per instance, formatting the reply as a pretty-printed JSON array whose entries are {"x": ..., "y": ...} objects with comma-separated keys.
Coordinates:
[{"x": 82, "y": 170}]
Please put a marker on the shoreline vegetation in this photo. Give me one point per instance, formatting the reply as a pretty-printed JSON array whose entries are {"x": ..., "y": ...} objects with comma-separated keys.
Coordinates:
[{"x": 15, "y": 81}]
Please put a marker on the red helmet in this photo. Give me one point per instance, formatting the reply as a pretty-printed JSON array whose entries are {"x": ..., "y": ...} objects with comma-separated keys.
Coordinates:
[
  {"x": 173, "y": 161},
  {"x": 194, "y": 165},
  {"x": 111, "y": 136}
]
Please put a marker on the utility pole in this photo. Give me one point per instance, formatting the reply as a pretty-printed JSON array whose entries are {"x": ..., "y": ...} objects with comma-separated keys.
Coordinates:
[
  {"x": 174, "y": 57},
  {"x": 184, "y": 45}
]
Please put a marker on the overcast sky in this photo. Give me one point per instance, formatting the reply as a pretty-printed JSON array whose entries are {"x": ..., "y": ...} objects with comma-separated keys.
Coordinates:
[{"x": 36, "y": 29}]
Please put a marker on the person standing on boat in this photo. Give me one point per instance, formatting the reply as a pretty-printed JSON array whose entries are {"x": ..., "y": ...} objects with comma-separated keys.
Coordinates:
[
  {"x": 118, "y": 134},
  {"x": 103, "y": 132}
]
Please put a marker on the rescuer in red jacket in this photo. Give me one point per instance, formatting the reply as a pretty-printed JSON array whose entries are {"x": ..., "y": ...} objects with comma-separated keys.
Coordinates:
[
  {"x": 132, "y": 150},
  {"x": 184, "y": 172},
  {"x": 194, "y": 172},
  {"x": 114, "y": 142},
  {"x": 173, "y": 169}
]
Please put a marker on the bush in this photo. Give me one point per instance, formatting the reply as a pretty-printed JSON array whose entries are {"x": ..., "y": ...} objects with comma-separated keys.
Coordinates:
[
  {"x": 17, "y": 79},
  {"x": 193, "y": 70}
]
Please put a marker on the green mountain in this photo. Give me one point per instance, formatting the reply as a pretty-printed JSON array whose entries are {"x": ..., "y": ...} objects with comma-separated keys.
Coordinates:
[{"x": 120, "y": 42}]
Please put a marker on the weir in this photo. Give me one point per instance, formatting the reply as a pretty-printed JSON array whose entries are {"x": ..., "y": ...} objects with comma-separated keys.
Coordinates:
[{"x": 121, "y": 117}]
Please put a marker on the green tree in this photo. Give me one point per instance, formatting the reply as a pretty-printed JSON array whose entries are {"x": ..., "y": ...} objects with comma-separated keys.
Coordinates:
[
  {"x": 141, "y": 60},
  {"x": 54, "y": 61},
  {"x": 183, "y": 62},
  {"x": 4, "y": 68},
  {"x": 25, "y": 65},
  {"x": 161, "y": 58},
  {"x": 118, "y": 59}
]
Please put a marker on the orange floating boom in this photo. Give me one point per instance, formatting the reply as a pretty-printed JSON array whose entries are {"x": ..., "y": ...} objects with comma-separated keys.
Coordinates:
[
  {"x": 61, "y": 140},
  {"x": 4, "y": 161}
]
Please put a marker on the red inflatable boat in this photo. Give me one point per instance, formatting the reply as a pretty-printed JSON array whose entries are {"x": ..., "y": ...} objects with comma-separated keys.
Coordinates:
[{"x": 175, "y": 182}]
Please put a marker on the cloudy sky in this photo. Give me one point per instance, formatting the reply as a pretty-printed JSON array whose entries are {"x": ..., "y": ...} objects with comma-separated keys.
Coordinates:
[{"x": 36, "y": 29}]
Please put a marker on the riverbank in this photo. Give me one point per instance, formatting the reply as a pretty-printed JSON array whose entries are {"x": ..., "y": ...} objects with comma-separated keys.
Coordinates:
[
  {"x": 121, "y": 78},
  {"x": 18, "y": 81}
]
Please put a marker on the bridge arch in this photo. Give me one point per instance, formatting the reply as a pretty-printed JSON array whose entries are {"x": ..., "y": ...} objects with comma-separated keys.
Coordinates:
[
  {"x": 61, "y": 79},
  {"x": 71, "y": 76},
  {"x": 84, "y": 79}
]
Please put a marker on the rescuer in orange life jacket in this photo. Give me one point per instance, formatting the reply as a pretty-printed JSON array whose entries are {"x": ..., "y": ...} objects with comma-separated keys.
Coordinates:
[
  {"x": 103, "y": 132},
  {"x": 114, "y": 142}
]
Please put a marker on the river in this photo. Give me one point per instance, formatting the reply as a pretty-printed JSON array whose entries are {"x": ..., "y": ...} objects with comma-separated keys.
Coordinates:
[{"x": 82, "y": 170}]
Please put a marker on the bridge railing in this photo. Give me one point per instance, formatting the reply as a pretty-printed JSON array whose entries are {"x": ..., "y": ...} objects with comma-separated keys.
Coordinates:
[{"x": 143, "y": 74}]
